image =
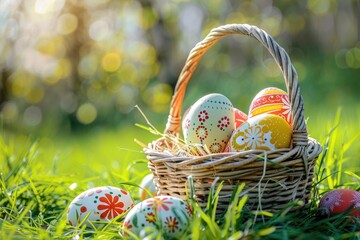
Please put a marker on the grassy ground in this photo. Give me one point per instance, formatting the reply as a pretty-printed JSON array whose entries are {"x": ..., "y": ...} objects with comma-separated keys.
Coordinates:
[{"x": 40, "y": 176}]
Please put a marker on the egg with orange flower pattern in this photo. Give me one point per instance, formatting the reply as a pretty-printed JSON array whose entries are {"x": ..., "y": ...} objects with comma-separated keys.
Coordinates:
[
  {"x": 262, "y": 132},
  {"x": 340, "y": 200},
  {"x": 271, "y": 100},
  {"x": 210, "y": 121},
  {"x": 166, "y": 214},
  {"x": 98, "y": 205}
]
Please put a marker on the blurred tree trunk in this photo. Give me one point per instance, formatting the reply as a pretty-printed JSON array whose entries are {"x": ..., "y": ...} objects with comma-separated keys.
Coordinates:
[
  {"x": 3, "y": 77},
  {"x": 9, "y": 43},
  {"x": 75, "y": 43},
  {"x": 357, "y": 14},
  {"x": 165, "y": 44}
]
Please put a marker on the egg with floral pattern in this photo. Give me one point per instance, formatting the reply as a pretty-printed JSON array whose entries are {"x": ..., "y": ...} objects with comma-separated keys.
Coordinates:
[
  {"x": 166, "y": 214},
  {"x": 147, "y": 186},
  {"x": 210, "y": 121},
  {"x": 339, "y": 200},
  {"x": 262, "y": 132},
  {"x": 271, "y": 100},
  {"x": 240, "y": 117},
  {"x": 98, "y": 205}
]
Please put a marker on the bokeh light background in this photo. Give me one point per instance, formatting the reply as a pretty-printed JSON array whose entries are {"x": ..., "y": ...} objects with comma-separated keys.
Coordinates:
[{"x": 70, "y": 64}]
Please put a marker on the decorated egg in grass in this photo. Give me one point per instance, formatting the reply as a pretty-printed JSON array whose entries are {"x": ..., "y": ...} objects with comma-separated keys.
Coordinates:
[
  {"x": 271, "y": 100},
  {"x": 147, "y": 186},
  {"x": 98, "y": 205},
  {"x": 262, "y": 132},
  {"x": 166, "y": 214},
  {"x": 340, "y": 200},
  {"x": 240, "y": 117},
  {"x": 210, "y": 121}
]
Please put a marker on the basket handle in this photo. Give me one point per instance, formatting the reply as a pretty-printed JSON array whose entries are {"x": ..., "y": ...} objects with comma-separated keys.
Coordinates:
[{"x": 300, "y": 136}]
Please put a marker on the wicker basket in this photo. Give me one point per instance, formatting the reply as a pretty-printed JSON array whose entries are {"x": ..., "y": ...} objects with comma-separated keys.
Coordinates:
[{"x": 270, "y": 186}]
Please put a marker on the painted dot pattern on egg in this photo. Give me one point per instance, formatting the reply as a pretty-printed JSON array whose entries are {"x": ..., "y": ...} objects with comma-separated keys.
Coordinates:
[
  {"x": 223, "y": 123},
  {"x": 210, "y": 121},
  {"x": 215, "y": 147},
  {"x": 202, "y": 133},
  {"x": 203, "y": 116}
]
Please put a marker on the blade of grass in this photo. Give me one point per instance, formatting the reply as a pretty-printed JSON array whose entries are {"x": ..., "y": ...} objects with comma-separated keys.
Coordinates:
[{"x": 332, "y": 158}]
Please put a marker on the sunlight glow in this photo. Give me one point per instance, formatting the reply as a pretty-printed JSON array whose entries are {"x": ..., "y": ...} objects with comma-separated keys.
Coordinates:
[
  {"x": 67, "y": 23},
  {"x": 48, "y": 6},
  {"x": 111, "y": 62},
  {"x": 86, "y": 113}
]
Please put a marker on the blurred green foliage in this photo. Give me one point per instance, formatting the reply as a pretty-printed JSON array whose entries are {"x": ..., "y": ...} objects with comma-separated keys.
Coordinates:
[{"x": 66, "y": 64}]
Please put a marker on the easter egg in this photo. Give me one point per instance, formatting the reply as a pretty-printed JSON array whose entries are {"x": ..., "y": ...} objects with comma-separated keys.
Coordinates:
[
  {"x": 240, "y": 117},
  {"x": 271, "y": 100},
  {"x": 339, "y": 200},
  {"x": 147, "y": 184},
  {"x": 167, "y": 214},
  {"x": 262, "y": 132},
  {"x": 186, "y": 112},
  {"x": 227, "y": 147},
  {"x": 210, "y": 121},
  {"x": 98, "y": 205}
]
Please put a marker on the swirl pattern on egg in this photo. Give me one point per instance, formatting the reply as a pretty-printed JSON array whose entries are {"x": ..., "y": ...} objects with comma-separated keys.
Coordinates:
[{"x": 271, "y": 100}]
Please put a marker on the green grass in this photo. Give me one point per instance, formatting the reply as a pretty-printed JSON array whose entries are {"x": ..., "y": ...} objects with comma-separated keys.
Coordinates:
[{"x": 40, "y": 176}]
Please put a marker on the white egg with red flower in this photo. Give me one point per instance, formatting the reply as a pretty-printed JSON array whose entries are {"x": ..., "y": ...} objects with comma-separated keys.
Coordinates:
[
  {"x": 340, "y": 200},
  {"x": 98, "y": 205},
  {"x": 167, "y": 214},
  {"x": 210, "y": 121},
  {"x": 147, "y": 187}
]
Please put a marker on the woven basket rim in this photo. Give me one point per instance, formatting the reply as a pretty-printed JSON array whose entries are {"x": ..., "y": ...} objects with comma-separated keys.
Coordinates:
[{"x": 277, "y": 156}]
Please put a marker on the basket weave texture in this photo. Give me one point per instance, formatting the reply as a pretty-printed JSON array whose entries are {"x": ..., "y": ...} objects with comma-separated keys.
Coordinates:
[{"x": 273, "y": 178}]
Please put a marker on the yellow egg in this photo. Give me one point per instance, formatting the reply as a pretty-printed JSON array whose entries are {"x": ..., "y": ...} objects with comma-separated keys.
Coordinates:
[
  {"x": 271, "y": 100},
  {"x": 262, "y": 132}
]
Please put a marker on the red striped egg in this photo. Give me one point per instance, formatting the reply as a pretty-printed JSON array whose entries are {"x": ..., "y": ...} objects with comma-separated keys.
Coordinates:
[{"x": 271, "y": 100}]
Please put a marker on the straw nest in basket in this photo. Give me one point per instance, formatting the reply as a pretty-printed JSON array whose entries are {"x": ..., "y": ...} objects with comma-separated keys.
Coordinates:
[{"x": 274, "y": 179}]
